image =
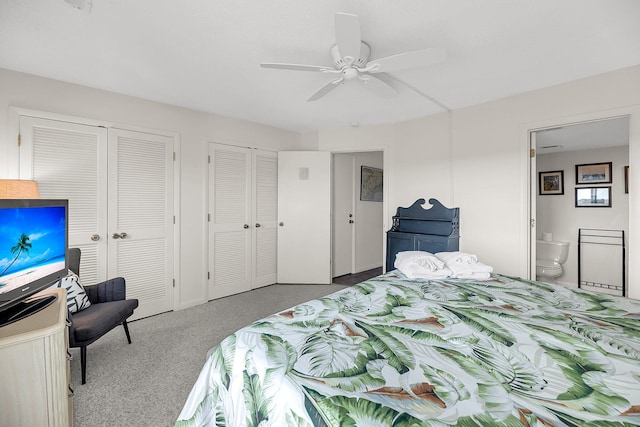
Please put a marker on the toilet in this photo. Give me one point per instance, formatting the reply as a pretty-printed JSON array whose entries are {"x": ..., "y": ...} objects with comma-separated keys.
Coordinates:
[{"x": 550, "y": 255}]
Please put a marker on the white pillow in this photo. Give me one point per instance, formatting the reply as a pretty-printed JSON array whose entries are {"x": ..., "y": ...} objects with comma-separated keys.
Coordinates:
[
  {"x": 421, "y": 265},
  {"x": 77, "y": 298},
  {"x": 415, "y": 256}
]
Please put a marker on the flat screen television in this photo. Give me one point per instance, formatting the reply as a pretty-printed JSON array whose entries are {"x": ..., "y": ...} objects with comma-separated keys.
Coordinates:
[{"x": 33, "y": 253}]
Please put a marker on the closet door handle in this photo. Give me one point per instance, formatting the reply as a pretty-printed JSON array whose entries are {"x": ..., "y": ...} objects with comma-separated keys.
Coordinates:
[
  {"x": 257, "y": 224},
  {"x": 119, "y": 236},
  {"x": 246, "y": 226}
]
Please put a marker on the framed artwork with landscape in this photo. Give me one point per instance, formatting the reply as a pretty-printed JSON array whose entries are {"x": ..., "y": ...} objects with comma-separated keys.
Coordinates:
[
  {"x": 370, "y": 184},
  {"x": 593, "y": 173},
  {"x": 551, "y": 182}
]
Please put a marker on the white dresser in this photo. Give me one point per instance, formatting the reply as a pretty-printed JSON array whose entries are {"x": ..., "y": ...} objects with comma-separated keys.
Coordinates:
[{"x": 35, "y": 379}]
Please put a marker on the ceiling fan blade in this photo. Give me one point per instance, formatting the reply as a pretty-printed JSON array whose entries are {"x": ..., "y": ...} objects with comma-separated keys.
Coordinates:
[
  {"x": 348, "y": 37},
  {"x": 326, "y": 89},
  {"x": 408, "y": 60},
  {"x": 296, "y": 67},
  {"x": 380, "y": 84}
]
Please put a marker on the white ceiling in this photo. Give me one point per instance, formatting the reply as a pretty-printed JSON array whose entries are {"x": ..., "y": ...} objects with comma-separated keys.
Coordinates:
[
  {"x": 584, "y": 136},
  {"x": 205, "y": 54}
]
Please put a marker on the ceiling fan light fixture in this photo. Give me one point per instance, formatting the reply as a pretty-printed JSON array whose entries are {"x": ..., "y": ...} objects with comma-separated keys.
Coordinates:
[{"x": 350, "y": 73}]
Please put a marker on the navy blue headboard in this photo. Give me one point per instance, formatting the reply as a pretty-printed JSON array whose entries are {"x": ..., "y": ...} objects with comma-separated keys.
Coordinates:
[{"x": 435, "y": 229}]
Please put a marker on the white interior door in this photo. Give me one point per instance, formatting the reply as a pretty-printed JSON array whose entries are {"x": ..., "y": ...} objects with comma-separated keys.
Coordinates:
[
  {"x": 343, "y": 215},
  {"x": 69, "y": 161},
  {"x": 265, "y": 216},
  {"x": 141, "y": 217},
  {"x": 304, "y": 217},
  {"x": 119, "y": 183},
  {"x": 230, "y": 218}
]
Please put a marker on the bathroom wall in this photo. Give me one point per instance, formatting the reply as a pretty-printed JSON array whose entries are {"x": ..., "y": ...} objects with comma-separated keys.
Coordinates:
[
  {"x": 558, "y": 215},
  {"x": 370, "y": 216}
]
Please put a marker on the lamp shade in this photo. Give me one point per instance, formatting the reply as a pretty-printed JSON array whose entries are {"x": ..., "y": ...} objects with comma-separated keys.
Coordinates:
[{"x": 18, "y": 189}]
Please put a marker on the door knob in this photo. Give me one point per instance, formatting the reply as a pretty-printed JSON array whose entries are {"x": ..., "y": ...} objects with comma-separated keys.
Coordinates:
[
  {"x": 257, "y": 224},
  {"x": 95, "y": 237},
  {"x": 351, "y": 221},
  {"x": 246, "y": 226},
  {"x": 281, "y": 224},
  {"x": 119, "y": 236}
]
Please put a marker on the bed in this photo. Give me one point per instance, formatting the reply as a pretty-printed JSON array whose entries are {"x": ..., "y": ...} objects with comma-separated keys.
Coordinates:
[{"x": 394, "y": 351}]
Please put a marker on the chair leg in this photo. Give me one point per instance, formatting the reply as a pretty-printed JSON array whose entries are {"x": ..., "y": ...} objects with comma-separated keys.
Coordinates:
[
  {"x": 83, "y": 363},
  {"x": 126, "y": 331},
  {"x": 83, "y": 353}
]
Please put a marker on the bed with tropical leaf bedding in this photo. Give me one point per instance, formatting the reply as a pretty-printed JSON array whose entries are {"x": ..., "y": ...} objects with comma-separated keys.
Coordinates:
[
  {"x": 429, "y": 350},
  {"x": 394, "y": 351}
]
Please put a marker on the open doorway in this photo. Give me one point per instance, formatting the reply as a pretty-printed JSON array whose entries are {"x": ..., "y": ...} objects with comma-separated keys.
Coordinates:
[
  {"x": 357, "y": 250},
  {"x": 562, "y": 155}
]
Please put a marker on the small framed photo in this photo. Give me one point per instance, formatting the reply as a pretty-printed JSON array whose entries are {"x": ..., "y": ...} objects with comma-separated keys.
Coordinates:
[
  {"x": 593, "y": 197},
  {"x": 593, "y": 173},
  {"x": 551, "y": 182}
]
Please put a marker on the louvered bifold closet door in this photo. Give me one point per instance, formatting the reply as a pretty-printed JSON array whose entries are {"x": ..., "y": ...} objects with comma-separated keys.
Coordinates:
[
  {"x": 141, "y": 217},
  {"x": 69, "y": 161},
  {"x": 230, "y": 225},
  {"x": 265, "y": 244}
]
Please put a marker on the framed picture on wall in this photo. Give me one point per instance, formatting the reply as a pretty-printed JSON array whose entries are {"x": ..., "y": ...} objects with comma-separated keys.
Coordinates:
[
  {"x": 551, "y": 182},
  {"x": 370, "y": 184},
  {"x": 626, "y": 179},
  {"x": 593, "y": 197},
  {"x": 593, "y": 173}
]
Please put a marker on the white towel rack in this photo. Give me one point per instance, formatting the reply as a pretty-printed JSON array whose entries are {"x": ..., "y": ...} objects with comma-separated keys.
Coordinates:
[{"x": 600, "y": 251}]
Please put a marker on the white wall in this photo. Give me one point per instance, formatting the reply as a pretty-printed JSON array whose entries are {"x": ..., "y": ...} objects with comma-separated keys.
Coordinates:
[
  {"x": 476, "y": 158},
  {"x": 368, "y": 246},
  {"x": 195, "y": 129},
  {"x": 558, "y": 215}
]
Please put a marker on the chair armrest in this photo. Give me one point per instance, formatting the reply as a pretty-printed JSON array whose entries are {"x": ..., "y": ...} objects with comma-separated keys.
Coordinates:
[{"x": 111, "y": 290}]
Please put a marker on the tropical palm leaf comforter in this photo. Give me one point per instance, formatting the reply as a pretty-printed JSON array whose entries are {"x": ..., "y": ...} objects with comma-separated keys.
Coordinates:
[{"x": 398, "y": 352}]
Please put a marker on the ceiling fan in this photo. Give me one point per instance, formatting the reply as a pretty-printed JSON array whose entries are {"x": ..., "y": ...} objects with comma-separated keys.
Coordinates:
[{"x": 351, "y": 61}]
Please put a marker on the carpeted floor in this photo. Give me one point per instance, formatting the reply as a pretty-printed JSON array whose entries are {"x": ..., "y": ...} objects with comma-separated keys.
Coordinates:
[{"x": 146, "y": 383}]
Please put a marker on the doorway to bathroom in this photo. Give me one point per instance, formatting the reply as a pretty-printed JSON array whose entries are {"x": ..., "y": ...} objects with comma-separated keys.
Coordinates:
[{"x": 580, "y": 182}]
